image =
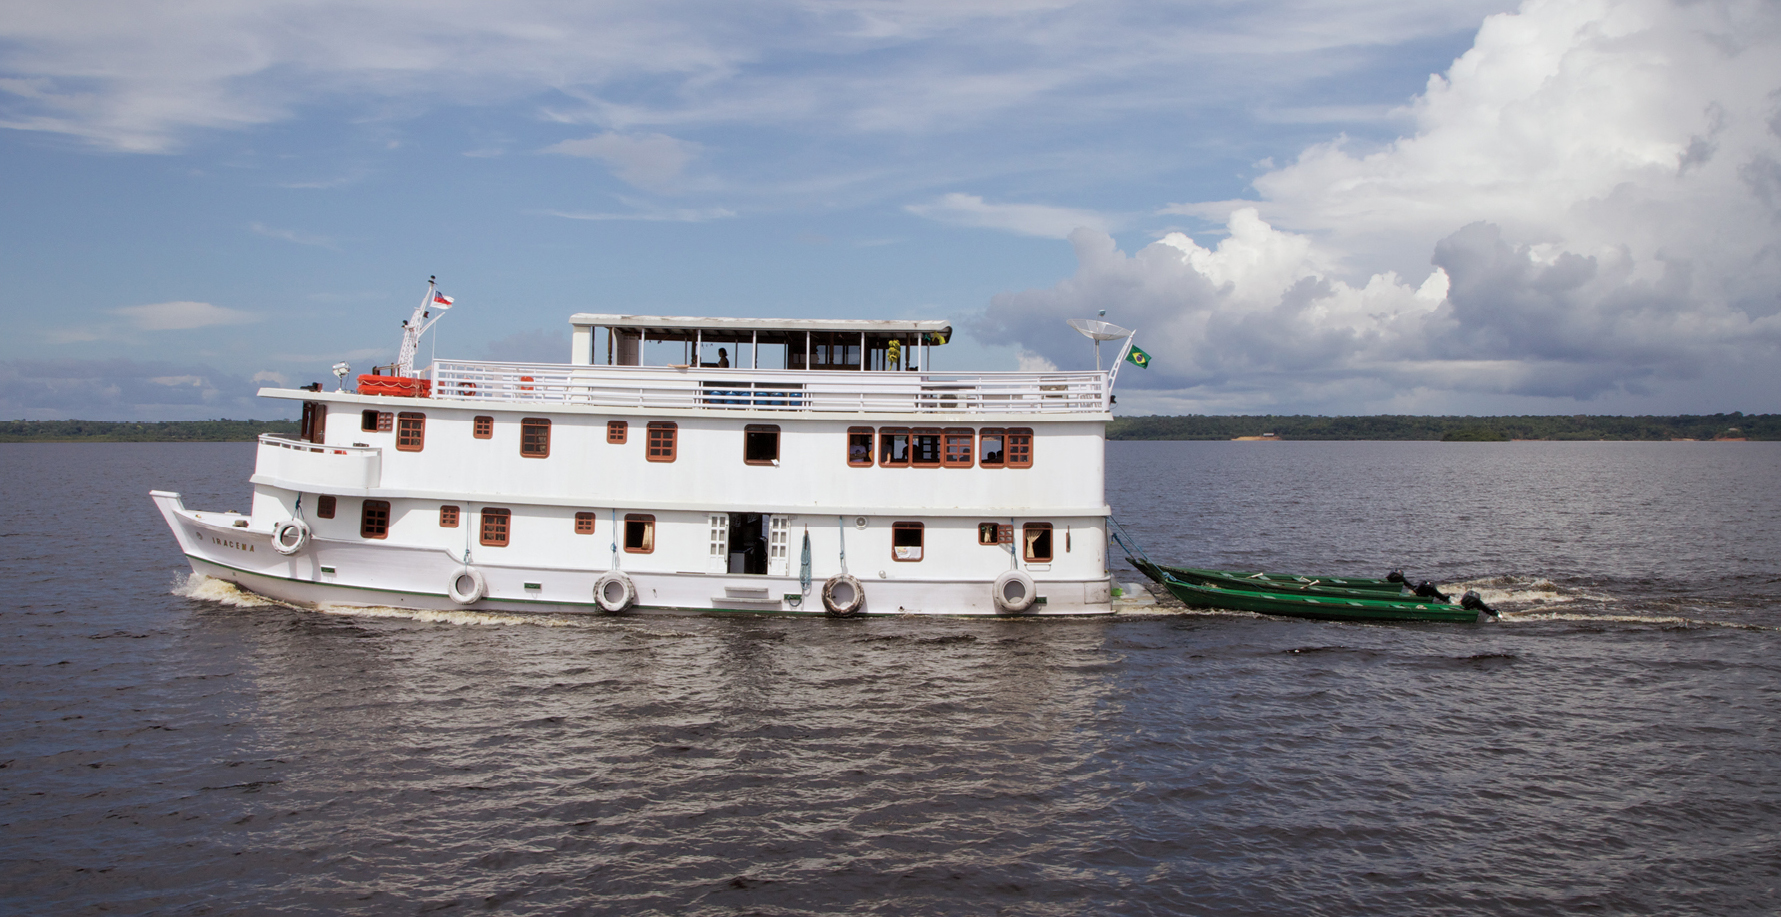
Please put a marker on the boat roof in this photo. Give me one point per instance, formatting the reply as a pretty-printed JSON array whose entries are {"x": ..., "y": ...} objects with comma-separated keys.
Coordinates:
[{"x": 688, "y": 323}]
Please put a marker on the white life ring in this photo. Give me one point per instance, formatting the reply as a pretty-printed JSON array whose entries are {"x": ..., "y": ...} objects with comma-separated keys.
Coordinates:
[
  {"x": 1015, "y": 591},
  {"x": 290, "y": 536},
  {"x": 843, "y": 595},
  {"x": 614, "y": 592},
  {"x": 467, "y": 586}
]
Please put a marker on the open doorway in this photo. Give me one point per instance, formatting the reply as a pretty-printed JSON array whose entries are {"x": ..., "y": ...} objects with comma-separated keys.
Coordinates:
[{"x": 748, "y": 543}]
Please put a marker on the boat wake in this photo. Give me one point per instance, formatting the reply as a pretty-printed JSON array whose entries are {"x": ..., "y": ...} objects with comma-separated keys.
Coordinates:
[
  {"x": 462, "y": 618},
  {"x": 210, "y": 589}
]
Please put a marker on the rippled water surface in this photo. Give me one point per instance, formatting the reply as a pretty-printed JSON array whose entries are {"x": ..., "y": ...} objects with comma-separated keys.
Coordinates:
[{"x": 175, "y": 747}]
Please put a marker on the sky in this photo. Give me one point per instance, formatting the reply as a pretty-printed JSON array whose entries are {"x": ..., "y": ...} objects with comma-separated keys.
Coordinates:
[{"x": 1302, "y": 206}]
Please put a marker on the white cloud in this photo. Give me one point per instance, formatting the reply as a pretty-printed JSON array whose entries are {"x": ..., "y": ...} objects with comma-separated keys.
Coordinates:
[
  {"x": 182, "y": 316},
  {"x": 88, "y": 389},
  {"x": 291, "y": 235},
  {"x": 648, "y": 214},
  {"x": 652, "y": 161},
  {"x": 1026, "y": 219}
]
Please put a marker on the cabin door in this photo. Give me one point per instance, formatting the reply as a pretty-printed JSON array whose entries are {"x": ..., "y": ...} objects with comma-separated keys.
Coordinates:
[{"x": 748, "y": 543}]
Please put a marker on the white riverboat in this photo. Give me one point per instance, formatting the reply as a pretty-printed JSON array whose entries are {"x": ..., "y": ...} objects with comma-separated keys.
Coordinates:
[{"x": 831, "y": 471}]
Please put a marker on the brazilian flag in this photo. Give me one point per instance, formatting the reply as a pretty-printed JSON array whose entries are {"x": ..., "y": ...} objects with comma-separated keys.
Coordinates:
[{"x": 1139, "y": 357}]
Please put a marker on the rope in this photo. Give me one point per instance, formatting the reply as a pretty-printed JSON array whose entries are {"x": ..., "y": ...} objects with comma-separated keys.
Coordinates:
[
  {"x": 1127, "y": 543},
  {"x": 841, "y": 527},
  {"x": 614, "y": 538}
]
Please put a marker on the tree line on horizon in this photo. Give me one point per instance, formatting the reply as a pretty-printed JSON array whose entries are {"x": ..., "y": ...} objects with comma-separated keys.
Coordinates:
[
  {"x": 165, "y": 431},
  {"x": 1450, "y": 429}
]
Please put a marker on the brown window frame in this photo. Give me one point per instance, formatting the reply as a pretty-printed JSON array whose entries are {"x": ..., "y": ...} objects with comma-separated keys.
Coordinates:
[
  {"x": 529, "y": 437},
  {"x": 496, "y": 527},
  {"x": 647, "y": 521},
  {"x": 584, "y": 523},
  {"x": 754, "y": 433},
  {"x": 617, "y": 431},
  {"x": 448, "y": 516},
  {"x": 1027, "y": 532},
  {"x": 376, "y": 421},
  {"x": 989, "y": 533},
  {"x": 854, "y": 433},
  {"x": 885, "y": 436},
  {"x": 1020, "y": 447},
  {"x": 663, "y": 441},
  {"x": 482, "y": 426},
  {"x": 324, "y": 506},
  {"x": 374, "y": 519},
  {"x": 915, "y": 452},
  {"x": 314, "y": 426},
  {"x": 411, "y": 431},
  {"x": 897, "y": 530},
  {"x": 1001, "y": 436},
  {"x": 970, "y": 447}
]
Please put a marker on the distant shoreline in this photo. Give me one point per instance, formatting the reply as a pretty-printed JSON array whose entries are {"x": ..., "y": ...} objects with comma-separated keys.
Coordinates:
[{"x": 1386, "y": 427}]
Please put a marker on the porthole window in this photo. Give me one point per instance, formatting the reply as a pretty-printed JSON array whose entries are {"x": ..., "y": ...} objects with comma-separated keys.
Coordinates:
[
  {"x": 411, "y": 431},
  {"x": 584, "y": 523},
  {"x": 616, "y": 431},
  {"x": 990, "y": 450},
  {"x": 324, "y": 506},
  {"x": 760, "y": 444},
  {"x": 495, "y": 526},
  {"x": 448, "y": 517},
  {"x": 1036, "y": 536},
  {"x": 534, "y": 437},
  {"x": 662, "y": 435},
  {"x": 957, "y": 445},
  {"x": 374, "y": 519},
  {"x": 640, "y": 533},
  {"x": 906, "y": 541},
  {"x": 859, "y": 447},
  {"x": 893, "y": 447},
  {"x": 482, "y": 427}
]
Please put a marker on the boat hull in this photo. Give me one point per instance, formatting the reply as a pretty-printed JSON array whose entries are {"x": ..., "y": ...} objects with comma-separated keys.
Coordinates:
[
  {"x": 1313, "y": 588},
  {"x": 1323, "y": 608}
]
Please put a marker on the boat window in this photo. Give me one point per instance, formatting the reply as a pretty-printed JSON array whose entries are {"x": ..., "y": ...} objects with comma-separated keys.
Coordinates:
[
  {"x": 495, "y": 525},
  {"x": 377, "y": 422},
  {"x": 924, "y": 448},
  {"x": 1037, "y": 538},
  {"x": 374, "y": 519},
  {"x": 893, "y": 447},
  {"x": 615, "y": 431},
  {"x": 324, "y": 506},
  {"x": 534, "y": 437},
  {"x": 1020, "y": 448},
  {"x": 483, "y": 427},
  {"x": 989, "y": 533},
  {"x": 760, "y": 444},
  {"x": 958, "y": 445},
  {"x": 661, "y": 441},
  {"x": 906, "y": 541},
  {"x": 584, "y": 523},
  {"x": 411, "y": 431},
  {"x": 859, "y": 447},
  {"x": 315, "y": 422},
  {"x": 448, "y": 517},
  {"x": 640, "y": 533},
  {"x": 989, "y": 448}
]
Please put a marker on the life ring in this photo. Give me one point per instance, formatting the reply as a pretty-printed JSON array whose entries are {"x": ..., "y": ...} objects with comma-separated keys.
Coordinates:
[
  {"x": 467, "y": 586},
  {"x": 1015, "y": 591},
  {"x": 614, "y": 592},
  {"x": 290, "y": 536},
  {"x": 843, "y": 596}
]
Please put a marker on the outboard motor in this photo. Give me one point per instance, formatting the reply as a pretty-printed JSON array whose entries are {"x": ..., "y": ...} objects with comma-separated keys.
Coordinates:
[
  {"x": 1396, "y": 576},
  {"x": 1471, "y": 601},
  {"x": 1428, "y": 590}
]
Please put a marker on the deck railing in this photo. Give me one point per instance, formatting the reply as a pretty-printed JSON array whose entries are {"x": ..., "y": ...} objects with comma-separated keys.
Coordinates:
[
  {"x": 771, "y": 390},
  {"x": 317, "y": 464}
]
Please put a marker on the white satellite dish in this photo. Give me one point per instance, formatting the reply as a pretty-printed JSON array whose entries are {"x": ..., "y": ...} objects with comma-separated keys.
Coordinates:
[{"x": 1098, "y": 331}]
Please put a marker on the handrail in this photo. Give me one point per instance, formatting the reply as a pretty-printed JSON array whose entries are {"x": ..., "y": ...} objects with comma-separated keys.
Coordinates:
[
  {"x": 772, "y": 390},
  {"x": 283, "y": 441}
]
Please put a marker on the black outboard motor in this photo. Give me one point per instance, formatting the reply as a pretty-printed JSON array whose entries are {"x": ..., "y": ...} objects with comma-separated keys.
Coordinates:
[
  {"x": 1471, "y": 601},
  {"x": 1396, "y": 576},
  {"x": 1428, "y": 590}
]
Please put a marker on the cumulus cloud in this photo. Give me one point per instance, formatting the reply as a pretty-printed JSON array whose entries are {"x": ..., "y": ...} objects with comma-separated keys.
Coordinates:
[
  {"x": 1026, "y": 219},
  {"x": 128, "y": 390},
  {"x": 182, "y": 316},
  {"x": 1595, "y": 184},
  {"x": 652, "y": 161}
]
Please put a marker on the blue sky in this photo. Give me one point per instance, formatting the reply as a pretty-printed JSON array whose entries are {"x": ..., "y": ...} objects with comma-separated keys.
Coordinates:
[{"x": 1304, "y": 207}]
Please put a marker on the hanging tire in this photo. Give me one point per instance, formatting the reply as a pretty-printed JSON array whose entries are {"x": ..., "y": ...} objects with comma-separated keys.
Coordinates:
[
  {"x": 614, "y": 592},
  {"x": 290, "y": 536},
  {"x": 467, "y": 586},
  {"x": 1015, "y": 591},
  {"x": 843, "y": 596}
]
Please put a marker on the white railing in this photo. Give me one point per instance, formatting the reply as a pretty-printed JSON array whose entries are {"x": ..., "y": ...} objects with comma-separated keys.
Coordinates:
[
  {"x": 771, "y": 390},
  {"x": 298, "y": 461}
]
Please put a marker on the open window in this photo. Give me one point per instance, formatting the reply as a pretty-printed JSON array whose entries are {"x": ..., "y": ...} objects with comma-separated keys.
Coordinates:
[
  {"x": 924, "y": 448},
  {"x": 448, "y": 517},
  {"x": 584, "y": 523},
  {"x": 859, "y": 447},
  {"x": 893, "y": 447},
  {"x": 663, "y": 445},
  {"x": 906, "y": 541},
  {"x": 992, "y": 533},
  {"x": 377, "y": 422},
  {"x": 991, "y": 450},
  {"x": 640, "y": 533},
  {"x": 958, "y": 448},
  {"x": 534, "y": 437},
  {"x": 496, "y": 526},
  {"x": 1020, "y": 448},
  {"x": 1036, "y": 536},
  {"x": 374, "y": 519},
  {"x": 482, "y": 427},
  {"x": 411, "y": 431},
  {"x": 616, "y": 431},
  {"x": 760, "y": 444}
]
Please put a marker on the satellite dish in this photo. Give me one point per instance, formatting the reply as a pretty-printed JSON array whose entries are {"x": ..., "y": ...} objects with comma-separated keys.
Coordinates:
[{"x": 1098, "y": 331}]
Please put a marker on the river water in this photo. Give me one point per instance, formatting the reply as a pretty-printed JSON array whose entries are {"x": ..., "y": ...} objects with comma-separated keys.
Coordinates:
[{"x": 169, "y": 745}]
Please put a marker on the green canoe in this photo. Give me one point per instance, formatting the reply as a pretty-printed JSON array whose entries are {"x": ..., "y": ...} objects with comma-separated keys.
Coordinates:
[
  {"x": 1328, "y": 608},
  {"x": 1292, "y": 579},
  {"x": 1312, "y": 585}
]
